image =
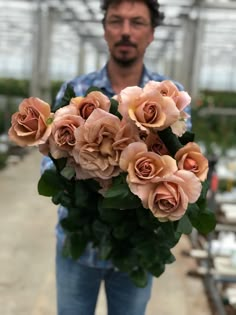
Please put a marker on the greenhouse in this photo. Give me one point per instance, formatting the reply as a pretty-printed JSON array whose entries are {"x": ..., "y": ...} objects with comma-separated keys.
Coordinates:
[{"x": 44, "y": 43}]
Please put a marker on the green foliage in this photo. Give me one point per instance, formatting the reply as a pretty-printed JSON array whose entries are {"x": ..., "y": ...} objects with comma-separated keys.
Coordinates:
[
  {"x": 133, "y": 239},
  {"x": 119, "y": 196},
  {"x": 114, "y": 108},
  {"x": 218, "y": 129},
  {"x": 92, "y": 89},
  {"x": 3, "y": 160},
  {"x": 173, "y": 144},
  {"x": 20, "y": 87},
  {"x": 2, "y": 121},
  {"x": 218, "y": 98},
  {"x": 14, "y": 87}
]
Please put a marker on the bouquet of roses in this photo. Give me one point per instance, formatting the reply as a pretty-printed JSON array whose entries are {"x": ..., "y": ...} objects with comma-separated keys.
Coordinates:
[{"x": 126, "y": 168}]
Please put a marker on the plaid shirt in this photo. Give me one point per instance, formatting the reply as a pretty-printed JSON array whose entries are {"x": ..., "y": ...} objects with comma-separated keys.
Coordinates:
[{"x": 80, "y": 84}]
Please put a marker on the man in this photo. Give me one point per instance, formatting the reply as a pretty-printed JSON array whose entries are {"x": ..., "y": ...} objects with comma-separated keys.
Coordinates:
[{"x": 128, "y": 30}]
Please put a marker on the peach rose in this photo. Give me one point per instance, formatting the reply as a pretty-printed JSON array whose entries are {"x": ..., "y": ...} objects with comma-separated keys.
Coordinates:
[
  {"x": 62, "y": 139},
  {"x": 168, "y": 199},
  {"x": 190, "y": 158},
  {"x": 147, "y": 108},
  {"x": 155, "y": 144},
  {"x": 86, "y": 105},
  {"x": 68, "y": 109},
  {"x": 168, "y": 88},
  {"x": 31, "y": 125},
  {"x": 143, "y": 166},
  {"x": 99, "y": 143},
  {"x": 181, "y": 98}
]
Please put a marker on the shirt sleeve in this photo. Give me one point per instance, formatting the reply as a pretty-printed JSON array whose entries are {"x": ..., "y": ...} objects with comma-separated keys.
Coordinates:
[{"x": 46, "y": 164}]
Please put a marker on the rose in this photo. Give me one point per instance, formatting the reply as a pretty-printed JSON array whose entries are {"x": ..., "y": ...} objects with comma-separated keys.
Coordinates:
[
  {"x": 99, "y": 143},
  {"x": 181, "y": 98},
  {"x": 62, "y": 139},
  {"x": 169, "y": 197},
  {"x": 31, "y": 125},
  {"x": 86, "y": 105},
  {"x": 147, "y": 108},
  {"x": 169, "y": 89},
  {"x": 155, "y": 144},
  {"x": 142, "y": 166},
  {"x": 190, "y": 158}
]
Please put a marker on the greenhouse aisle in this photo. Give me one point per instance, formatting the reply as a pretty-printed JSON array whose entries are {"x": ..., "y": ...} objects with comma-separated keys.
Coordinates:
[{"x": 27, "y": 284}]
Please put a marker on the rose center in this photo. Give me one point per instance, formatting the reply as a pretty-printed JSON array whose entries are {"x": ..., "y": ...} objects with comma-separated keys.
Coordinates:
[
  {"x": 86, "y": 110},
  {"x": 30, "y": 119},
  {"x": 144, "y": 168},
  {"x": 150, "y": 112},
  {"x": 105, "y": 147},
  {"x": 166, "y": 205},
  {"x": 66, "y": 136},
  {"x": 163, "y": 92},
  {"x": 190, "y": 165}
]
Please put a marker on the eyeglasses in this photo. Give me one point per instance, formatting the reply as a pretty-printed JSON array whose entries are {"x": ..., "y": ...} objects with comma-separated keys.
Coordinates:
[{"x": 118, "y": 23}]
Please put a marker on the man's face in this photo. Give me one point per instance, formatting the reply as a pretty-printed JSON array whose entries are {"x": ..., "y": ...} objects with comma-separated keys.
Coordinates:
[{"x": 128, "y": 31}]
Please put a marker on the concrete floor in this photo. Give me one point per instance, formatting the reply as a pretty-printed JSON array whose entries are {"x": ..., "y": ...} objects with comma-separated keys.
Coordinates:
[{"x": 27, "y": 284}]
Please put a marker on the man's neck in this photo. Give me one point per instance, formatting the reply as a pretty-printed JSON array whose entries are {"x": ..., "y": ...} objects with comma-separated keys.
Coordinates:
[{"x": 124, "y": 76}]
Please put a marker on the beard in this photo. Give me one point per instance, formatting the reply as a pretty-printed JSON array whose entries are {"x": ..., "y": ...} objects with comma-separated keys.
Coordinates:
[{"x": 123, "y": 61}]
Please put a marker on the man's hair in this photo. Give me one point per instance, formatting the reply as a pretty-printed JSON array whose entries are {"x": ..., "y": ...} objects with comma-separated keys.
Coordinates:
[{"x": 153, "y": 5}]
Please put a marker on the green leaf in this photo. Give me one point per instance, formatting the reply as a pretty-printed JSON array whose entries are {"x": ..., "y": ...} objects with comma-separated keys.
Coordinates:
[
  {"x": 167, "y": 234},
  {"x": 184, "y": 225},
  {"x": 170, "y": 259},
  {"x": 127, "y": 202},
  {"x": 146, "y": 219},
  {"x": 147, "y": 249},
  {"x": 114, "y": 107},
  {"x": 100, "y": 229},
  {"x": 49, "y": 183},
  {"x": 105, "y": 249},
  {"x": 71, "y": 222},
  {"x": 203, "y": 220},
  {"x": 111, "y": 215},
  {"x": 56, "y": 198},
  {"x": 92, "y": 185},
  {"x": 92, "y": 89},
  {"x": 124, "y": 260},
  {"x": 119, "y": 196},
  {"x": 74, "y": 246},
  {"x": 123, "y": 230},
  {"x": 68, "y": 95},
  {"x": 77, "y": 245},
  {"x": 117, "y": 191},
  {"x": 139, "y": 277},
  {"x": 202, "y": 200},
  {"x": 171, "y": 141},
  {"x": 188, "y": 136},
  {"x": 81, "y": 194},
  {"x": 59, "y": 163},
  {"x": 157, "y": 269},
  {"x": 62, "y": 197}
]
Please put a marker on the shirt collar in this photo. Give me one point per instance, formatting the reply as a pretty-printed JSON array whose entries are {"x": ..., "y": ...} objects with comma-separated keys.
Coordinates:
[{"x": 103, "y": 82}]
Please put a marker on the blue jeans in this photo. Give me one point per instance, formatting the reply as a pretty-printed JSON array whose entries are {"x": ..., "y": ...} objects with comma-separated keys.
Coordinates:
[{"x": 78, "y": 286}]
